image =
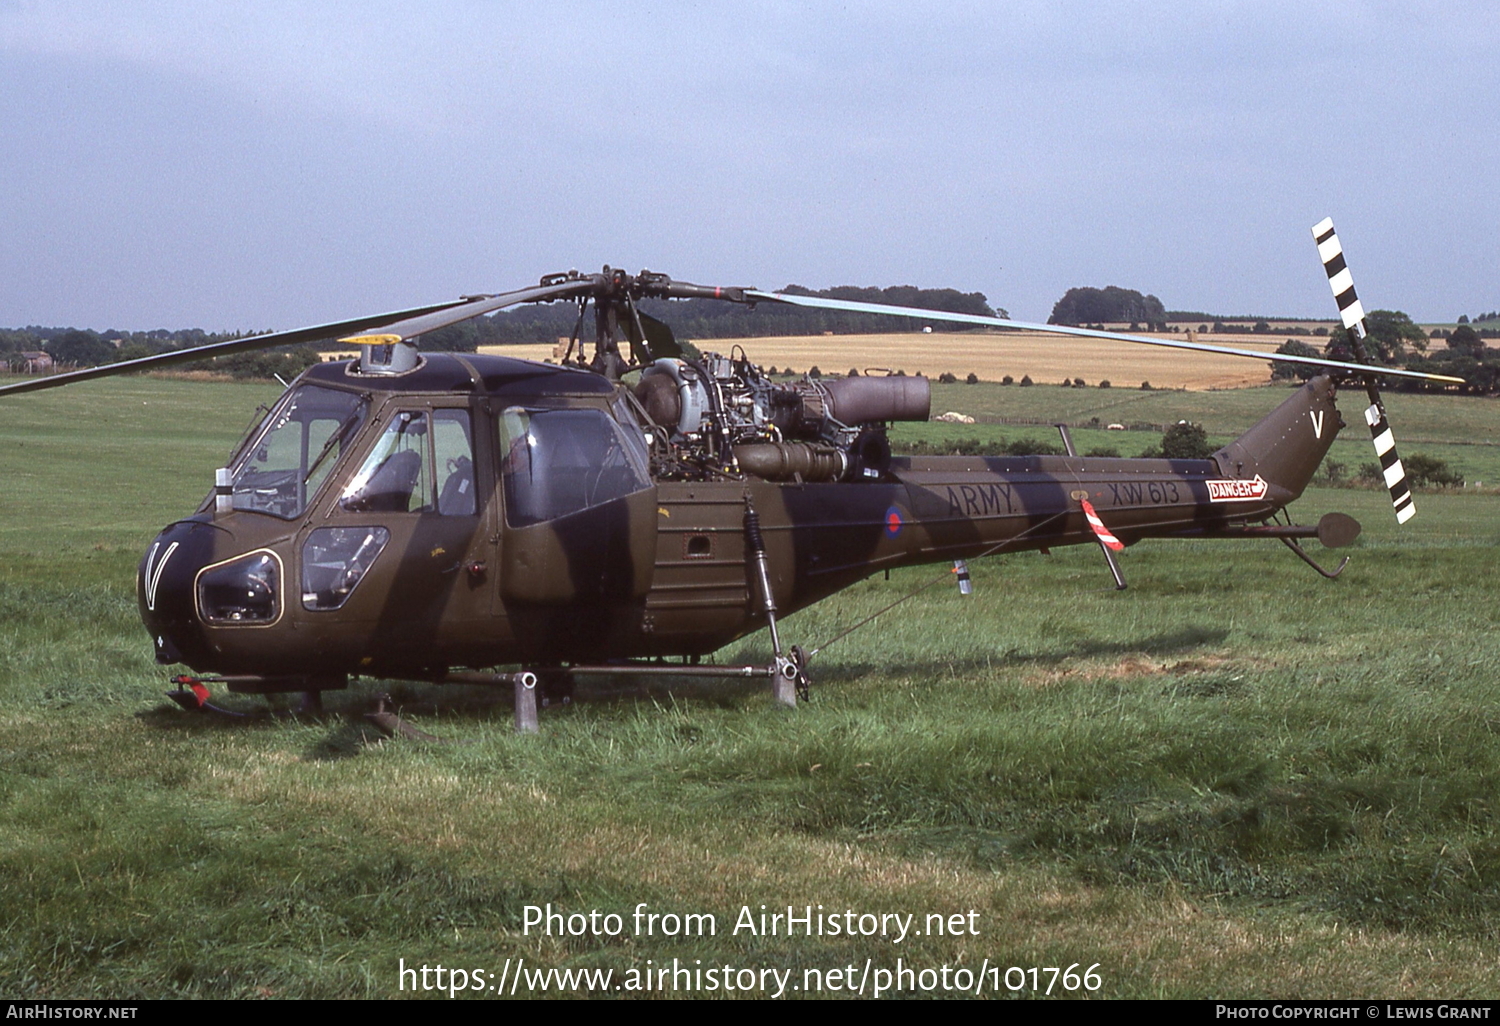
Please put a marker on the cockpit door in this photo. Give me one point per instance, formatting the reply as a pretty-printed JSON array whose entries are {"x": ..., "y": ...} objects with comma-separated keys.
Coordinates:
[
  {"x": 580, "y": 508},
  {"x": 402, "y": 552}
]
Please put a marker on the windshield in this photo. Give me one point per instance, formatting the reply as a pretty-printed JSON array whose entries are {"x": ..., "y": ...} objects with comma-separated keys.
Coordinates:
[{"x": 298, "y": 444}]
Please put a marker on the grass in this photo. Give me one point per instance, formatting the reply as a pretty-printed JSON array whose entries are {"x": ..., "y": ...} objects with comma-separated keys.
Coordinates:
[{"x": 1234, "y": 779}]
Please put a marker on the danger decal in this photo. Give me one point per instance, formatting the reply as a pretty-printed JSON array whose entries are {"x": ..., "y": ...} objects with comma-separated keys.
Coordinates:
[{"x": 1237, "y": 491}]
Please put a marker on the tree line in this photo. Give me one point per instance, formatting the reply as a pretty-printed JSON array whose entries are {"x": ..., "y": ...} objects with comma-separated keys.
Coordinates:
[
  {"x": 1392, "y": 336},
  {"x": 710, "y": 318},
  {"x": 78, "y": 347},
  {"x": 539, "y": 322},
  {"x": 1393, "y": 339}
]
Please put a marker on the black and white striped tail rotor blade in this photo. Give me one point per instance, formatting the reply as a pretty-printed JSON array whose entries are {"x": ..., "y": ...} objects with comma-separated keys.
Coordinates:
[
  {"x": 1390, "y": 464},
  {"x": 1352, "y": 313},
  {"x": 1339, "y": 278}
]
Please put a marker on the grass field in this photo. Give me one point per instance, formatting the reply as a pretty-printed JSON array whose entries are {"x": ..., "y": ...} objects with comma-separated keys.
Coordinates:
[{"x": 1233, "y": 779}]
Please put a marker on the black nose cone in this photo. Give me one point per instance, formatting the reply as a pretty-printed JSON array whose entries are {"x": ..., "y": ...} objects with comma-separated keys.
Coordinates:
[{"x": 164, "y": 589}]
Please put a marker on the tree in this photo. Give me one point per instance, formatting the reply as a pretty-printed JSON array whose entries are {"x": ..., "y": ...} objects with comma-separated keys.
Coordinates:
[
  {"x": 455, "y": 338},
  {"x": 1083, "y": 305},
  {"x": 81, "y": 349},
  {"x": 18, "y": 341},
  {"x": 1431, "y": 472},
  {"x": 1422, "y": 471},
  {"x": 134, "y": 351},
  {"x": 285, "y": 361},
  {"x": 1466, "y": 340},
  {"x": 1184, "y": 441},
  {"x": 1288, "y": 371},
  {"x": 1388, "y": 332}
]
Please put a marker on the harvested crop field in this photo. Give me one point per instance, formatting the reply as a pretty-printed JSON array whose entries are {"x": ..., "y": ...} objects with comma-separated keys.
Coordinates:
[{"x": 1045, "y": 358}]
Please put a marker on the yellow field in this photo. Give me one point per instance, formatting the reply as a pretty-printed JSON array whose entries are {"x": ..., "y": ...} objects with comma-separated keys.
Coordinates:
[{"x": 1046, "y": 358}]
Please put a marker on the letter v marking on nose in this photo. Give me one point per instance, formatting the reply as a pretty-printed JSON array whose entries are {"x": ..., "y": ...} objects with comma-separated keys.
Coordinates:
[{"x": 153, "y": 576}]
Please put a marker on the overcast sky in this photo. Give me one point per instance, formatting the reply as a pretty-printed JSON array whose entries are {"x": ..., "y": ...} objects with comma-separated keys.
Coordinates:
[{"x": 274, "y": 164}]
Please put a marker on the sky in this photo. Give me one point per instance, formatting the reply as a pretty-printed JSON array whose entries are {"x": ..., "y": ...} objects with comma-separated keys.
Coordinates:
[{"x": 270, "y": 165}]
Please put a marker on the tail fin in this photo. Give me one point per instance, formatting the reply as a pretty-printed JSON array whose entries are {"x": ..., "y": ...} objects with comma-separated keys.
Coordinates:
[{"x": 1288, "y": 445}]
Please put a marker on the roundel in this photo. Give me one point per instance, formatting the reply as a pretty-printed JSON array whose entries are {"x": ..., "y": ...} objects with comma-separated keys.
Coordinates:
[{"x": 893, "y": 522}]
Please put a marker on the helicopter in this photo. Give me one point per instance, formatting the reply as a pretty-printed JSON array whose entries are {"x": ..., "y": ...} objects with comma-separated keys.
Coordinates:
[{"x": 439, "y": 516}]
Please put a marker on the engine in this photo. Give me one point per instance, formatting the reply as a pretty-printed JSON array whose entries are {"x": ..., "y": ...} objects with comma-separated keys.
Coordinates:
[{"x": 725, "y": 416}]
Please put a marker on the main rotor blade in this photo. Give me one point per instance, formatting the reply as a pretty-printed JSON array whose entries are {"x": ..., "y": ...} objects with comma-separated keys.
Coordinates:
[
  {"x": 405, "y": 323},
  {"x": 239, "y": 345},
  {"x": 478, "y": 306},
  {"x": 1062, "y": 329}
]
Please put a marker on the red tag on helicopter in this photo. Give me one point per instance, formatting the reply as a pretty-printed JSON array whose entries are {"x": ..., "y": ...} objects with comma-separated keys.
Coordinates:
[{"x": 1109, "y": 541}]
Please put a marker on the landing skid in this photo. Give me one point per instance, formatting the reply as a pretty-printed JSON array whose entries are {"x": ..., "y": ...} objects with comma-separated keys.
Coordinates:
[
  {"x": 788, "y": 676},
  {"x": 195, "y": 699},
  {"x": 193, "y": 695}
]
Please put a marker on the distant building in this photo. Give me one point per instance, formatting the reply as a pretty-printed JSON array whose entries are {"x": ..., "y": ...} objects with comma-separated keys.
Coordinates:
[{"x": 36, "y": 362}]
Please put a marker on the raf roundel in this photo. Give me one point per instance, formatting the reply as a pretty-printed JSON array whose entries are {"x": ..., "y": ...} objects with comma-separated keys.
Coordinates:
[{"x": 893, "y": 522}]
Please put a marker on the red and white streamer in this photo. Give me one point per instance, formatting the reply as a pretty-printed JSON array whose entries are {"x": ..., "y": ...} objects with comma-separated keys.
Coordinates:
[{"x": 1106, "y": 539}]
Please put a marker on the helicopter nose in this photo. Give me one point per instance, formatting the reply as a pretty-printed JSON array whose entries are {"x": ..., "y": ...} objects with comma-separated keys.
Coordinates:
[{"x": 164, "y": 589}]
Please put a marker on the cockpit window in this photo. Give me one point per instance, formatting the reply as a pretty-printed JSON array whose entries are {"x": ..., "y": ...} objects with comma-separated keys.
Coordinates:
[
  {"x": 298, "y": 444},
  {"x": 423, "y": 463},
  {"x": 557, "y": 462}
]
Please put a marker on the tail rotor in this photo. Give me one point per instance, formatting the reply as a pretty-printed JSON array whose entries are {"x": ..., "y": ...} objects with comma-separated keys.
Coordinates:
[{"x": 1352, "y": 314}]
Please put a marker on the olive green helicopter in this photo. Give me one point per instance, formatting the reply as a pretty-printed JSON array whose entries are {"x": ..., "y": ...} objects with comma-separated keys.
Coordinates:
[{"x": 476, "y": 519}]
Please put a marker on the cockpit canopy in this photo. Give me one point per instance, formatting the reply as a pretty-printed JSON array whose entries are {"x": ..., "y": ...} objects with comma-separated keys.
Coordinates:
[{"x": 558, "y": 456}]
